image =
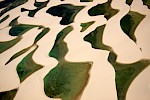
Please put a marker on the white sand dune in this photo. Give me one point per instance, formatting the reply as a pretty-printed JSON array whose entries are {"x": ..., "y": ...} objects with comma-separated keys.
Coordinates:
[{"x": 101, "y": 85}]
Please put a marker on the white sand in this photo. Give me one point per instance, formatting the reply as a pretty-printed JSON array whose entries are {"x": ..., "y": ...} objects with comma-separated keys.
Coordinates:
[{"x": 101, "y": 85}]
